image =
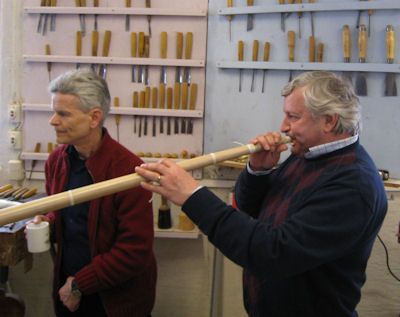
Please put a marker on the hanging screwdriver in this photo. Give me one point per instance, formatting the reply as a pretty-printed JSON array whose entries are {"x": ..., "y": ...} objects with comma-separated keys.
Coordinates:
[
  {"x": 230, "y": 16},
  {"x": 46, "y": 17},
  {"x": 300, "y": 15},
  {"x": 142, "y": 99},
  {"x": 81, "y": 3},
  {"x": 41, "y": 15},
  {"x": 185, "y": 92},
  {"x": 311, "y": 49},
  {"x": 154, "y": 99},
  {"x": 250, "y": 17},
  {"x": 169, "y": 106},
  {"x": 291, "y": 42},
  {"x": 287, "y": 14},
  {"x": 162, "y": 105},
  {"x": 53, "y": 3},
  {"x": 147, "y": 106},
  {"x": 117, "y": 116},
  {"x": 141, "y": 54},
  {"x": 48, "y": 63},
  {"x": 95, "y": 4},
  {"x": 127, "y": 17},
  {"x": 282, "y": 17},
  {"x": 148, "y": 5},
  {"x": 133, "y": 54},
  {"x": 312, "y": 18},
  {"x": 255, "y": 55},
  {"x": 37, "y": 150},
  {"x": 320, "y": 52},
  {"x": 266, "y": 58},
  {"x": 135, "y": 105},
  {"x": 78, "y": 47},
  {"x": 369, "y": 21},
  {"x": 240, "y": 58}
]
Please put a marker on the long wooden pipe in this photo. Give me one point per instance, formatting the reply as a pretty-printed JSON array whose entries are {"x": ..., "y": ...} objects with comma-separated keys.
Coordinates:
[{"x": 93, "y": 191}]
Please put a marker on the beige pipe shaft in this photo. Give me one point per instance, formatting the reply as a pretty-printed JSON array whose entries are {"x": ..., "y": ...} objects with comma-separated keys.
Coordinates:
[{"x": 90, "y": 192}]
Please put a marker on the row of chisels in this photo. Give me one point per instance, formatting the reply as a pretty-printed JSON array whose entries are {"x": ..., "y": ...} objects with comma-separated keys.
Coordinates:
[{"x": 181, "y": 97}]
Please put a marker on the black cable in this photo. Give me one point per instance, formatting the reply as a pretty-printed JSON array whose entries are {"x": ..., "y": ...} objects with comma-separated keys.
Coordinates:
[{"x": 387, "y": 259}]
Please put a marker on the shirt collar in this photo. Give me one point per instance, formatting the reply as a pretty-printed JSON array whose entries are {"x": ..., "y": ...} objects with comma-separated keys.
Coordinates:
[{"x": 318, "y": 150}]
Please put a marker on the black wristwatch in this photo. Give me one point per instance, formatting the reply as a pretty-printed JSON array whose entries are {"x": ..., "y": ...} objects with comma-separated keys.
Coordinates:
[{"x": 75, "y": 290}]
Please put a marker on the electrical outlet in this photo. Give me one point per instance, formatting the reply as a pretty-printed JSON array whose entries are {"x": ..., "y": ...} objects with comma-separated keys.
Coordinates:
[
  {"x": 15, "y": 139},
  {"x": 14, "y": 112}
]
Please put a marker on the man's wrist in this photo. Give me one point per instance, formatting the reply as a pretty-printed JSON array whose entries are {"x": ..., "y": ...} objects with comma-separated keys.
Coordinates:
[{"x": 75, "y": 290}]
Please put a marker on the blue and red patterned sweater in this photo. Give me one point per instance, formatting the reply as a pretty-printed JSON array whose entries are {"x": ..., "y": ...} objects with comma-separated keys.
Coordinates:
[{"x": 303, "y": 234}]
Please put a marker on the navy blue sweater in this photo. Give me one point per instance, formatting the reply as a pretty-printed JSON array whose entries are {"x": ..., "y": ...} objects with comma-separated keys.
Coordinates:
[{"x": 303, "y": 234}]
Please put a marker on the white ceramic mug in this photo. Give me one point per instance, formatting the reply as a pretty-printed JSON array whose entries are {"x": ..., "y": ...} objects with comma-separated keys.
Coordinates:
[{"x": 37, "y": 235}]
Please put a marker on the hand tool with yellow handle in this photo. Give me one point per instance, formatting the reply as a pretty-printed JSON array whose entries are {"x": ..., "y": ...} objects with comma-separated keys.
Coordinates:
[
  {"x": 95, "y": 45},
  {"x": 179, "y": 51},
  {"x": 282, "y": 17},
  {"x": 5, "y": 187},
  {"x": 291, "y": 42},
  {"x": 53, "y": 3},
  {"x": 49, "y": 147},
  {"x": 164, "y": 214},
  {"x": 78, "y": 47},
  {"x": 369, "y": 21},
  {"x": 162, "y": 105},
  {"x": 188, "y": 55},
  {"x": 300, "y": 15},
  {"x": 312, "y": 19},
  {"x": 146, "y": 54},
  {"x": 82, "y": 21},
  {"x": 185, "y": 91},
  {"x": 20, "y": 193},
  {"x": 37, "y": 150},
  {"x": 163, "y": 53},
  {"x": 346, "y": 52},
  {"x": 154, "y": 99},
  {"x": 142, "y": 100},
  {"x": 390, "y": 81},
  {"x": 133, "y": 54},
  {"x": 192, "y": 105},
  {"x": 240, "y": 59},
  {"x": 41, "y": 15},
  {"x": 265, "y": 59},
  {"x": 29, "y": 193},
  {"x": 106, "y": 49},
  {"x": 169, "y": 106},
  {"x": 361, "y": 81},
  {"x": 46, "y": 17},
  {"x": 127, "y": 17},
  {"x": 10, "y": 192},
  {"x": 117, "y": 116},
  {"x": 177, "y": 100},
  {"x": 254, "y": 59},
  {"x": 230, "y": 17},
  {"x": 135, "y": 105},
  {"x": 311, "y": 49},
  {"x": 95, "y": 4},
  {"x": 146, "y": 105},
  {"x": 320, "y": 52},
  {"x": 250, "y": 17},
  {"x": 141, "y": 54},
  {"x": 148, "y": 5},
  {"x": 47, "y": 49}
]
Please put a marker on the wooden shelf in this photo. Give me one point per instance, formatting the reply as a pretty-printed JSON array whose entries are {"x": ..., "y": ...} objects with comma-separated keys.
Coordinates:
[{"x": 176, "y": 233}]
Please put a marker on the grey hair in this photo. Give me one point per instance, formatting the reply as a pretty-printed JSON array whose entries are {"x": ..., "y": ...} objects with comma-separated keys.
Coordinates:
[
  {"x": 328, "y": 94},
  {"x": 91, "y": 90}
]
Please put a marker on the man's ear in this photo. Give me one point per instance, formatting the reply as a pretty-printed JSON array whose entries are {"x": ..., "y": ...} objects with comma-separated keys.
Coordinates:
[
  {"x": 96, "y": 115},
  {"x": 330, "y": 121}
]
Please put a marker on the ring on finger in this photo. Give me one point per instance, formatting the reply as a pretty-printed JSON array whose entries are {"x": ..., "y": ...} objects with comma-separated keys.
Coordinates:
[{"x": 159, "y": 179}]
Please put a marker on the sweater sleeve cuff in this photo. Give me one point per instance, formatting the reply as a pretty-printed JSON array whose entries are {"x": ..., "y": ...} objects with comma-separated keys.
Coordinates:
[{"x": 87, "y": 280}]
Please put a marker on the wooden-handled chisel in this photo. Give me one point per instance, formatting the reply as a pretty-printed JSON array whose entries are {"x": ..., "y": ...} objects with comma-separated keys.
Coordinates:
[
  {"x": 146, "y": 54},
  {"x": 141, "y": 54},
  {"x": 320, "y": 52},
  {"x": 254, "y": 59},
  {"x": 147, "y": 106},
  {"x": 142, "y": 99},
  {"x": 53, "y": 3},
  {"x": 29, "y": 193},
  {"x": 127, "y": 17},
  {"x": 282, "y": 17},
  {"x": 250, "y": 17},
  {"x": 163, "y": 53},
  {"x": 169, "y": 106},
  {"x": 185, "y": 92},
  {"x": 46, "y": 17},
  {"x": 95, "y": 4},
  {"x": 390, "y": 82},
  {"x": 311, "y": 49},
  {"x": 179, "y": 51},
  {"x": 47, "y": 49},
  {"x": 154, "y": 99},
  {"x": 36, "y": 150},
  {"x": 117, "y": 116},
  {"x": 177, "y": 100},
  {"x": 299, "y": 15},
  {"x": 94, "y": 48},
  {"x": 188, "y": 55},
  {"x": 161, "y": 102},
  {"x": 41, "y": 15},
  {"x": 192, "y": 105},
  {"x": 312, "y": 18},
  {"x": 82, "y": 21},
  {"x": 148, "y": 5},
  {"x": 106, "y": 49},
  {"x": 78, "y": 47},
  {"x": 291, "y": 42},
  {"x": 230, "y": 17},
  {"x": 5, "y": 187},
  {"x": 133, "y": 54},
  {"x": 265, "y": 59},
  {"x": 240, "y": 59},
  {"x": 135, "y": 105},
  {"x": 346, "y": 43},
  {"x": 361, "y": 81}
]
